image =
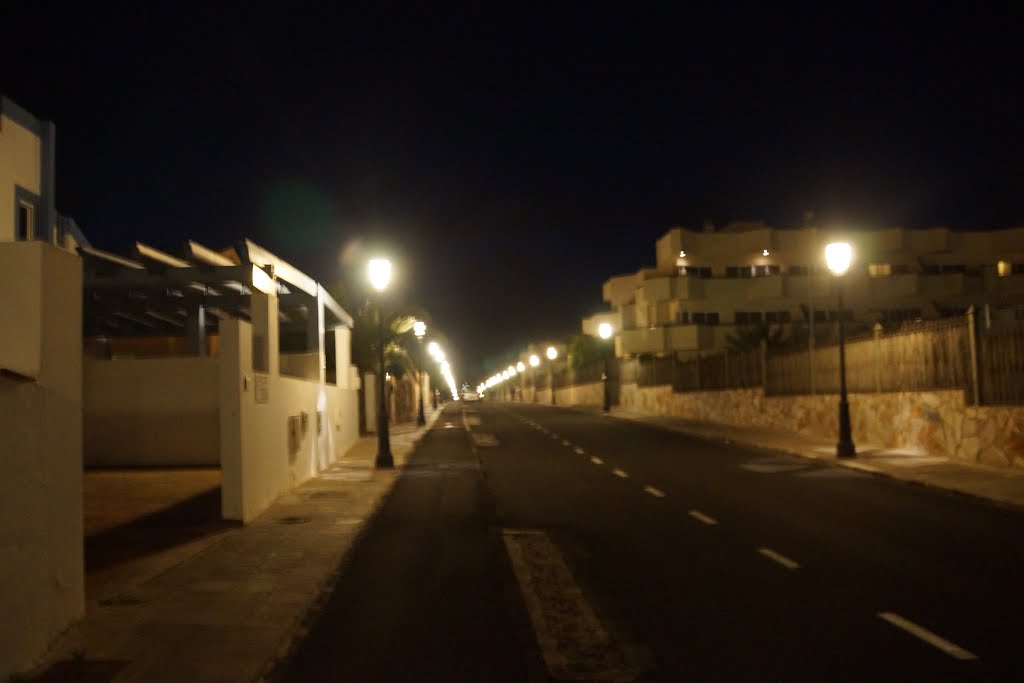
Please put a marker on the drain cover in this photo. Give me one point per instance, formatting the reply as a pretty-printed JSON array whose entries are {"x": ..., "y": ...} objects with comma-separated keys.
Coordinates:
[{"x": 294, "y": 520}]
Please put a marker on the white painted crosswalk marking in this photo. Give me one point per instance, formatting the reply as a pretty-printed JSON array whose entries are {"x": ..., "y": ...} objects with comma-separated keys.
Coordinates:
[
  {"x": 778, "y": 557},
  {"x": 951, "y": 649}
]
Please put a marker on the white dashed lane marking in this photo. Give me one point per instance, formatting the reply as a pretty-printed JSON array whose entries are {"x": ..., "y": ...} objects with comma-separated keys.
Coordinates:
[
  {"x": 654, "y": 492},
  {"x": 778, "y": 557},
  {"x": 596, "y": 460},
  {"x": 566, "y": 443},
  {"x": 701, "y": 517},
  {"x": 619, "y": 473},
  {"x": 927, "y": 636},
  {"x": 579, "y": 450}
]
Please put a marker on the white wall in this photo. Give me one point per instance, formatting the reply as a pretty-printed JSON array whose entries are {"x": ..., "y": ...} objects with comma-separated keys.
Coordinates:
[
  {"x": 151, "y": 412},
  {"x": 41, "y": 563},
  {"x": 20, "y": 164},
  {"x": 266, "y": 448}
]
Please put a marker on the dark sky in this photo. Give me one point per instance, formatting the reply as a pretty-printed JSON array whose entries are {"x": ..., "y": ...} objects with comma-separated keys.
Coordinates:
[{"x": 513, "y": 156}]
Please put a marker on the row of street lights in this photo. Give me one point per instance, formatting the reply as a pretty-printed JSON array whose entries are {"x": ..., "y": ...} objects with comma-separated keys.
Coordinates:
[
  {"x": 519, "y": 368},
  {"x": 379, "y": 273},
  {"x": 838, "y": 257}
]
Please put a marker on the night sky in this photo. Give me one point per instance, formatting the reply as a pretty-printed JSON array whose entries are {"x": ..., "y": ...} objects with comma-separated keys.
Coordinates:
[{"x": 513, "y": 156}]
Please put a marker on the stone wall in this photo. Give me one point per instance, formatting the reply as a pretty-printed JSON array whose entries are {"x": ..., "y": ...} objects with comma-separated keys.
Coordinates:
[{"x": 933, "y": 422}]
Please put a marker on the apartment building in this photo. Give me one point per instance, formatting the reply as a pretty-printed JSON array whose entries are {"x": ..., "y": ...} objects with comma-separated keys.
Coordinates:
[{"x": 708, "y": 284}]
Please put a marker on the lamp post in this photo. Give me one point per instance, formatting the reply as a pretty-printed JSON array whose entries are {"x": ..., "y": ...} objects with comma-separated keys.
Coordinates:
[
  {"x": 838, "y": 256},
  {"x": 552, "y": 354},
  {"x": 521, "y": 367},
  {"x": 604, "y": 331},
  {"x": 419, "y": 328},
  {"x": 433, "y": 349},
  {"x": 380, "y": 276},
  {"x": 534, "y": 362}
]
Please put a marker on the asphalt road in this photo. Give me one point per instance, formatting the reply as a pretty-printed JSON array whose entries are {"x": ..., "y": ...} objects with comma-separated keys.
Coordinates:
[{"x": 528, "y": 539}]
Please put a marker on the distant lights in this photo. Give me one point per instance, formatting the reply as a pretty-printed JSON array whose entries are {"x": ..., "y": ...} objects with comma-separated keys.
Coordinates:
[
  {"x": 534, "y": 360},
  {"x": 552, "y": 353},
  {"x": 520, "y": 366},
  {"x": 604, "y": 330},
  {"x": 682, "y": 254},
  {"x": 764, "y": 253}
]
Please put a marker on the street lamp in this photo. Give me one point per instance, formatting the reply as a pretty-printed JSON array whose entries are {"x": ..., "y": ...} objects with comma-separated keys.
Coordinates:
[
  {"x": 419, "y": 328},
  {"x": 838, "y": 256},
  {"x": 521, "y": 367},
  {"x": 604, "y": 331},
  {"x": 379, "y": 272},
  {"x": 552, "y": 355},
  {"x": 534, "y": 362}
]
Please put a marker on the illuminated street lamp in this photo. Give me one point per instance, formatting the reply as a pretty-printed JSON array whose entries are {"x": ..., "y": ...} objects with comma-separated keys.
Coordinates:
[
  {"x": 604, "y": 331},
  {"x": 419, "y": 328},
  {"x": 838, "y": 256},
  {"x": 534, "y": 362},
  {"x": 379, "y": 272},
  {"x": 552, "y": 355}
]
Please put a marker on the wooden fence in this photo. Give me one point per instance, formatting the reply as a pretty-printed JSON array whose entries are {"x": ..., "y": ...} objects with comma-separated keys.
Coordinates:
[{"x": 985, "y": 360}]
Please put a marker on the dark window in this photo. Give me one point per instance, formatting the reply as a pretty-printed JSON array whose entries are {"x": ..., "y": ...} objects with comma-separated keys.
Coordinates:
[
  {"x": 765, "y": 270},
  {"x": 684, "y": 317},
  {"x": 741, "y": 318},
  {"x": 705, "y": 318},
  {"x": 935, "y": 269},
  {"x": 776, "y": 317},
  {"x": 23, "y": 229},
  {"x": 797, "y": 270},
  {"x": 699, "y": 271},
  {"x": 900, "y": 268},
  {"x": 737, "y": 271},
  {"x": 1017, "y": 268}
]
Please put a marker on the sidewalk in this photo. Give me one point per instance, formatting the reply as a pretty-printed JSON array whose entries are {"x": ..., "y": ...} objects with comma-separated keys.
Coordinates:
[
  {"x": 1002, "y": 486},
  {"x": 231, "y": 610}
]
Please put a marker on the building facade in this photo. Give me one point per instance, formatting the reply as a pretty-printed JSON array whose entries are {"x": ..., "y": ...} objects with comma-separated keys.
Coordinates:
[
  {"x": 28, "y": 181},
  {"x": 708, "y": 286}
]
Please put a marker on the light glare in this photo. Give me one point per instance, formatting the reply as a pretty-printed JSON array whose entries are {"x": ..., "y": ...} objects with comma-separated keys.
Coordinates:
[
  {"x": 380, "y": 273},
  {"x": 838, "y": 256}
]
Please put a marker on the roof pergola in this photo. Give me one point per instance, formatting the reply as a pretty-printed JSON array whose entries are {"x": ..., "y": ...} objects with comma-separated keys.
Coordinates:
[{"x": 153, "y": 293}]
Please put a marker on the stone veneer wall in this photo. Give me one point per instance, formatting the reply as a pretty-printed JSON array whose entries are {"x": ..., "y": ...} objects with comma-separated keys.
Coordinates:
[{"x": 933, "y": 422}]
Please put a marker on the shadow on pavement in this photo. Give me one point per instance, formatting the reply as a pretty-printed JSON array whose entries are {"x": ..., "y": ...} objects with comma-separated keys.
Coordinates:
[{"x": 191, "y": 519}]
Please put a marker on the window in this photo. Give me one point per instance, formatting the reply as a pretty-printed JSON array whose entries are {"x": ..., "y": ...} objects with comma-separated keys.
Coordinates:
[
  {"x": 684, "y": 317},
  {"x": 705, "y": 318},
  {"x": 797, "y": 270},
  {"x": 777, "y": 317},
  {"x": 936, "y": 269},
  {"x": 737, "y": 271},
  {"x": 766, "y": 270},
  {"x": 696, "y": 271},
  {"x": 1004, "y": 268},
  {"x": 879, "y": 269},
  {"x": 23, "y": 229}
]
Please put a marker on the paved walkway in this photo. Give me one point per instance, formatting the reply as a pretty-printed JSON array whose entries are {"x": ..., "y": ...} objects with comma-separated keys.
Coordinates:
[
  {"x": 1000, "y": 485},
  {"x": 228, "y": 612}
]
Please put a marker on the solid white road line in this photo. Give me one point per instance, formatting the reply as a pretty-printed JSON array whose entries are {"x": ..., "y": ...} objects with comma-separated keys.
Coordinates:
[
  {"x": 777, "y": 557},
  {"x": 579, "y": 450},
  {"x": 619, "y": 473},
  {"x": 927, "y": 636},
  {"x": 596, "y": 460},
  {"x": 654, "y": 492},
  {"x": 574, "y": 642},
  {"x": 701, "y": 517}
]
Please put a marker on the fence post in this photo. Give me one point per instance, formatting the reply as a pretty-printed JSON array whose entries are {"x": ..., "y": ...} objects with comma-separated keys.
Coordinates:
[
  {"x": 972, "y": 336},
  {"x": 877, "y": 331},
  {"x": 726, "y": 364},
  {"x": 698, "y": 371}
]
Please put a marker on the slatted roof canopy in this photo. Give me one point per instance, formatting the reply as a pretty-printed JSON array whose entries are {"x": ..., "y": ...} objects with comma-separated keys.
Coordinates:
[{"x": 154, "y": 293}]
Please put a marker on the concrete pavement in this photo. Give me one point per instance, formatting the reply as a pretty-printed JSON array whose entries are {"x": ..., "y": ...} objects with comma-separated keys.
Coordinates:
[
  {"x": 999, "y": 485},
  {"x": 231, "y": 610}
]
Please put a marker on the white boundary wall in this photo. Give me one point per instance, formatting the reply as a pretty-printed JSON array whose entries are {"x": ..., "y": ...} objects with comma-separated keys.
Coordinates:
[
  {"x": 275, "y": 432},
  {"x": 151, "y": 412},
  {"x": 41, "y": 561}
]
